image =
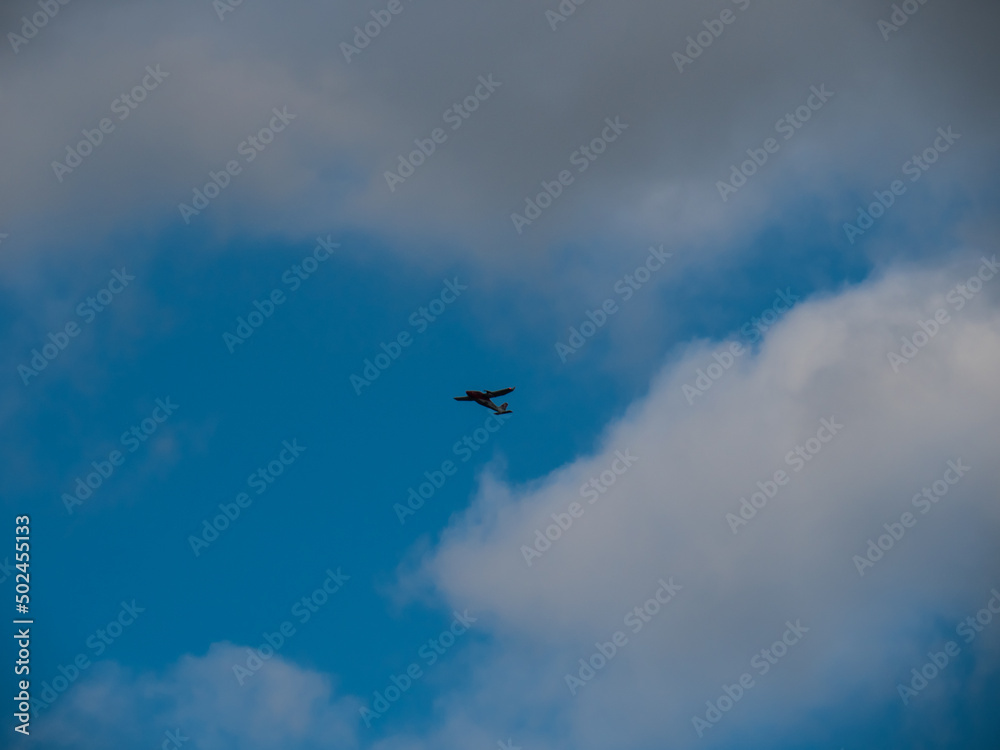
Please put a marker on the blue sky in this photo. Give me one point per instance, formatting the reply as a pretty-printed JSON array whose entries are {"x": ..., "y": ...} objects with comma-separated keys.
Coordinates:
[{"x": 337, "y": 464}]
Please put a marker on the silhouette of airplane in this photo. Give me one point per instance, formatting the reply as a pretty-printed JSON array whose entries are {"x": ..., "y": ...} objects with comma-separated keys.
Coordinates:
[{"x": 484, "y": 398}]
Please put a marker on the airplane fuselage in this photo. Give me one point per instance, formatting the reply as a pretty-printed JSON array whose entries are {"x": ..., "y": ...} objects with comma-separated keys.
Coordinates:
[
  {"x": 484, "y": 398},
  {"x": 480, "y": 398}
]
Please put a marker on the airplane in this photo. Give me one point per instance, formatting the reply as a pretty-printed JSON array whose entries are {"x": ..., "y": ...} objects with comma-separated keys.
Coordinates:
[{"x": 483, "y": 398}]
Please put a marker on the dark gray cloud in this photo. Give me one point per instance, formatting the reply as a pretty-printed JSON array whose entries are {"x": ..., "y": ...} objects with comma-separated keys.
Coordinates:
[{"x": 657, "y": 182}]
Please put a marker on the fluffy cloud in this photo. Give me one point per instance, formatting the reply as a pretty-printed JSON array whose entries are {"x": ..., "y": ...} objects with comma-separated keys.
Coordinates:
[
  {"x": 792, "y": 559},
  {"x": 354, "y": 120},
  {"x": 282, "y": 706},
  {"x": 819, "y": 401}
]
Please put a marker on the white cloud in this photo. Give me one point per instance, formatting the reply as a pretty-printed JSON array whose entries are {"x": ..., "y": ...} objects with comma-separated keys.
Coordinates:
[
  {"x": 793, "y": 560},
  {"x": 664, "y": 517},
  {"x": 283, "y": 706}
]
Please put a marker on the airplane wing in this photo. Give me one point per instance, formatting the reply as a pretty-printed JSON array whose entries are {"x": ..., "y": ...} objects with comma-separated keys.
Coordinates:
[
  {"x": 464, "y": 398},
  {"x": 501, "y": 392}
]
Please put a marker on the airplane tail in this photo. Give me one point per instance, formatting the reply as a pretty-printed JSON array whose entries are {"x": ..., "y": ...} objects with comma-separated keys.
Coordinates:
[{"x": 504, "y": 409}]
